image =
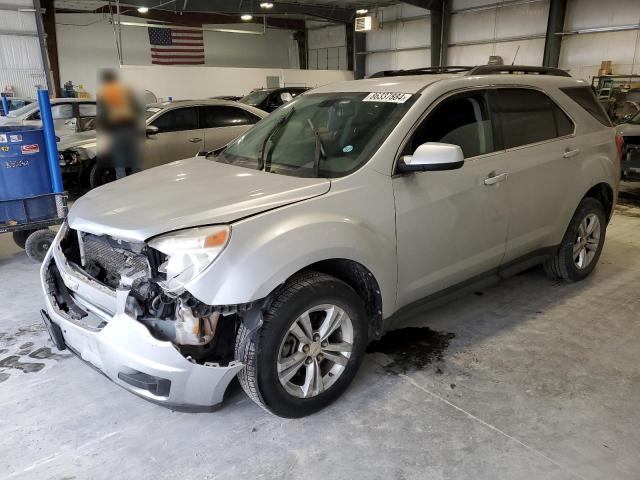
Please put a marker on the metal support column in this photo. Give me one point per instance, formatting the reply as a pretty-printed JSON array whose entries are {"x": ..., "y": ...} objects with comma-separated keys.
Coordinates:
[
  {"x": 440, "y": 15},
  {"x": 43, "y": 47},
  {"x": 555, "y": 25},
  {"x": 359, "y": 59}
]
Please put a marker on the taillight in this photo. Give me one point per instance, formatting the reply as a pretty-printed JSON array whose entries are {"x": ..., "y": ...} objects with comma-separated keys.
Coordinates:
[{"x": 619, "y": 144}]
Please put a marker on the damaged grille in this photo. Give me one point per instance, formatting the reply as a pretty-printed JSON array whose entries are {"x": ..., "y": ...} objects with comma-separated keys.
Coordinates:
[
  {"x": 108, "y": 260},
  {"x": 113, "y": 262}
]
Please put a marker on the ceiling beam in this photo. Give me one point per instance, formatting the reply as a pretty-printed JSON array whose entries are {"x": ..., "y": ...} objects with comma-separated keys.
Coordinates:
[
  {"x": 428, "y": 4},
  {"x": 236, "y": 8}
]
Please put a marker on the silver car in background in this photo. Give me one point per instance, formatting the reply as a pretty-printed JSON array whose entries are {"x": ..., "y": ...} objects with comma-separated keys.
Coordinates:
[
  {"x": 174, "y": 130},
  {"x": 353, "y": 206}
]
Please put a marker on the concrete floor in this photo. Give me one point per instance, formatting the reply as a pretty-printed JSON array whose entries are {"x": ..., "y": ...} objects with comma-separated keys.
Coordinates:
[{"x": 542, "y": 380}]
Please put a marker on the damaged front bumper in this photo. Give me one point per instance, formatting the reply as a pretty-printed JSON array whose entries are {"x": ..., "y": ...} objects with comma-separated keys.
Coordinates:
[{"x": 109, "y": 338}]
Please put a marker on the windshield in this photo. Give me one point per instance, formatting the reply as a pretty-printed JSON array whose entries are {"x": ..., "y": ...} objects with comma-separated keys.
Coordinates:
[
  {"x": 255, "y": 98},
  {"x": 325, "y": 135},
  {"x": 21, "y": 111},
  {"x": 151, "y": 111}
]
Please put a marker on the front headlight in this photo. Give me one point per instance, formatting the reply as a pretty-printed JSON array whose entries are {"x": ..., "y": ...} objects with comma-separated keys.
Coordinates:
[{"x": 189, "y": 253}]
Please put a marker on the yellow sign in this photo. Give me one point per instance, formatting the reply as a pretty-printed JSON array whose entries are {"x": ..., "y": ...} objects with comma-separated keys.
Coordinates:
[{"x": 5, "y": 149}]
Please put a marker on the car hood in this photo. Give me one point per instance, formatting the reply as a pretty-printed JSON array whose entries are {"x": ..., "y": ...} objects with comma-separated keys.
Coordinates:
[
  {"x": 628, "y": 129},
  {"x": 78, "y": 139},
  {"x": 183, "y": 194}
]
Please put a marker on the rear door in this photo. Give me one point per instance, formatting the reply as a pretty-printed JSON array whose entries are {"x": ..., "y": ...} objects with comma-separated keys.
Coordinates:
[
  {"x": 542, "y": 158},
  {"x": 179, "y": 136},
  {"x": 223, "y": 123}
]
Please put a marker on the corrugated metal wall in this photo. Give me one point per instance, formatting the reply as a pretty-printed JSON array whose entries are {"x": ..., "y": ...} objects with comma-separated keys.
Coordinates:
[{"x": 20, "y": 59}]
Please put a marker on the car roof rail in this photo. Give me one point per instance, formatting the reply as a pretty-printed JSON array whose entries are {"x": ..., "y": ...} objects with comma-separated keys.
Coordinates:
[
  {"x": 517, "y": 69},
  {"x": 422, "y": 71}
]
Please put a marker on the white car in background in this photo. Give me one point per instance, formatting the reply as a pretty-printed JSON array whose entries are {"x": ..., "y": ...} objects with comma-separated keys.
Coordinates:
[{"x": 66, "y": 112}]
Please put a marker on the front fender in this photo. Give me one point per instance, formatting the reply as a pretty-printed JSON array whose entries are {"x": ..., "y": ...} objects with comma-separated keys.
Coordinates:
[{"x": 265, "y": 250}]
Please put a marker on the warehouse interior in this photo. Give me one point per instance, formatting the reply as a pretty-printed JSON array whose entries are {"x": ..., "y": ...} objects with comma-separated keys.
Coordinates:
[{"x": 530, "y": 373}]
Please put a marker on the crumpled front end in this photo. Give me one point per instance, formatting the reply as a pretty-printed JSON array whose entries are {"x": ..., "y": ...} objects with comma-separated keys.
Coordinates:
[{"x": 103, "y": 294}]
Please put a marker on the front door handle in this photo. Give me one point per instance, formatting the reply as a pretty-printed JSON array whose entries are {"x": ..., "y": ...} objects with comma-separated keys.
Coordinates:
[
  {"x": 494, "y": 178},
  {"x": 571, "y": 153},
  {"x": 195, "y": 140}
]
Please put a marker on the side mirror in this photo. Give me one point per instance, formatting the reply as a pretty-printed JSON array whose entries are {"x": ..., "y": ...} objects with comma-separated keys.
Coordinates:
[
  {"x": 151, "y": 130},
  {"x": 432, "y": 156}
]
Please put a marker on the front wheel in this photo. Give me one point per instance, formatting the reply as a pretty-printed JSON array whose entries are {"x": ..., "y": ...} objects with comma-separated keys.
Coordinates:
[
  {"x": 582, "y": 243},
  {"x": 308, "y": 349}
]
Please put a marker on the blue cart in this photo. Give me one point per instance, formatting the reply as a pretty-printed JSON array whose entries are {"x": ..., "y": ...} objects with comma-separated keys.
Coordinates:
[{"x": 29, "y": 203}]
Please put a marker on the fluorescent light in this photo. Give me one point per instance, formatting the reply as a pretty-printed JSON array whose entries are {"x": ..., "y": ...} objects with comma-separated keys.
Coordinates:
[
  {"x": 246, "y": 17},
  {"x": 266, "y": 5},
  {"x": 143, "y": 10},
  {"x": 362, "y": 11}
]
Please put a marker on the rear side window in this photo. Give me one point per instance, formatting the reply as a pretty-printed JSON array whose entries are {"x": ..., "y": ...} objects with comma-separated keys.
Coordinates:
[
  {"x": 178, "y": 119},
  {"x": 462, "y": 120},
  {"x": 584, "y": 97},
  {"x": 223, "y": 116},
  {"x": 528, "y": 116}
]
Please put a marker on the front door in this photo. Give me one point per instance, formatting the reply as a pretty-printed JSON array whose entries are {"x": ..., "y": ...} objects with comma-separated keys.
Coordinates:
[
  {"x": 452, "y": 225},
  {"x": 179, "y": 136}
]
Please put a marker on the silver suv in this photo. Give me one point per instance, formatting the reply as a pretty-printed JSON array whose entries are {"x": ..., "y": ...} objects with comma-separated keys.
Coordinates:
[{"x": 280, "y": 257}]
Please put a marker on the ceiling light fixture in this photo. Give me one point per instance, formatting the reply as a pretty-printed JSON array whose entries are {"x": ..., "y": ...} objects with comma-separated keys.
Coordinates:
[
  {"x": 246, "y": 17},
  {"x": 266, "y": 5},
  {"x": 362, "y": 11},
  {"x": 143, "y": 10}
]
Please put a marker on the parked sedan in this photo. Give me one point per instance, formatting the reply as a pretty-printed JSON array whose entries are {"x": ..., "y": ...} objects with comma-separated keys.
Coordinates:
[
  {"x": 268, "y": 99},
  {"x": 65, "y": 112},
  {"x": 174, "y": 130}
]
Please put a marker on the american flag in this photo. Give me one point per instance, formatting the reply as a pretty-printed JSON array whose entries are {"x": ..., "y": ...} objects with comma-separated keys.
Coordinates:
[{"x": 176, "y": 46}]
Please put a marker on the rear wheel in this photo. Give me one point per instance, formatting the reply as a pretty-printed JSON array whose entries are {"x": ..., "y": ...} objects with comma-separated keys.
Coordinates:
[
  {"x": 582, "y": 243},
  {"x": 38, "y": 244},
  {"x": 308, "y": 349}
]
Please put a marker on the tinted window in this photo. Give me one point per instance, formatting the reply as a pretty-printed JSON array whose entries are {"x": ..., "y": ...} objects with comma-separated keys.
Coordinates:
[
  {"x": 584, "y": 97},
  {"x": 563, "y": 122},
  {"x": 214, "y": 117},
  {"x": 461, "y": 120},
  {"x": 527, "y": 116},
  {"x": 177, "y": 120},
  {"x": 87, "y": 109}
]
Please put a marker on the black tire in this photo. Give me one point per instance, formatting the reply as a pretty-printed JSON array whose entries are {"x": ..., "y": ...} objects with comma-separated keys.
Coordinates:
[
  {"x": 20, "y": 237},
  {"x": 38, "y": 244},
  {"x": 100, "y": 176},
  {"x": 562, "y": 266},
  {"x": 259, "y": 352}
]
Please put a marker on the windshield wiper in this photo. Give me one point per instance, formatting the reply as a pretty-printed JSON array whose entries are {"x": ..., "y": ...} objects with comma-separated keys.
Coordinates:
[
  {"x": 274, "y": 130},
  {"x": 320, "y": 153}
]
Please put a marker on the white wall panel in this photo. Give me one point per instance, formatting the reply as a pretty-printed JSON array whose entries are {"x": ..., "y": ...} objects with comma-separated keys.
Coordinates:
[
  {"x": 599, "y": 13},
  {"x": 327, "y": 47},
  {"x": 582, "y": 54}
]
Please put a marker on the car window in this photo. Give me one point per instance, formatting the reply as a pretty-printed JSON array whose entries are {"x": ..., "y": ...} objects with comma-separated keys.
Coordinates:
[
  {"x": 22, "y": 110},
  {"x": 222, "y": 116},
  {"x": 463, "y": 120},
  {"x": 177, "y": 120},
  {"x": 585, "y": 97},
  {"x": 255, "y": 98},
  {"x": 62, "y": 111},
  {"x": 527, "y": 116},
  {"x": 87, "y": 109}
]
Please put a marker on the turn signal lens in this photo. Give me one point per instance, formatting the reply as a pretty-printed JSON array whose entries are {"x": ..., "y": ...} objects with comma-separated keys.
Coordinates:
[{"x": 218, "y": 239}]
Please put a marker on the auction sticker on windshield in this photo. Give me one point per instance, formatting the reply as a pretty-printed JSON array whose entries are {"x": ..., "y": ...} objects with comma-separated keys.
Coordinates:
[
  {"x": 388, "y": 97},
  {"x": 3, "y": 138}
]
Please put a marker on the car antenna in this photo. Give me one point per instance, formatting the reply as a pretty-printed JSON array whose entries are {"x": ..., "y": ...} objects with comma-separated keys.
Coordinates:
[{"x": 514, "y": 57}]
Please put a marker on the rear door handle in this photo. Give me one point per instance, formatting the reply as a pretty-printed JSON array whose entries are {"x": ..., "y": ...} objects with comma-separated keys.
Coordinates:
[
  {"x": 494, "y": 178},
  {"x": 195, "y": 140},
  {"x": 571, "y": 153}
]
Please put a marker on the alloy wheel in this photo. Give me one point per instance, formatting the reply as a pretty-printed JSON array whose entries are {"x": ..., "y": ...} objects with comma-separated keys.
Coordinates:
[
  {"x": 315, "y": 351},
  {"x": 587, "y": 241}
]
